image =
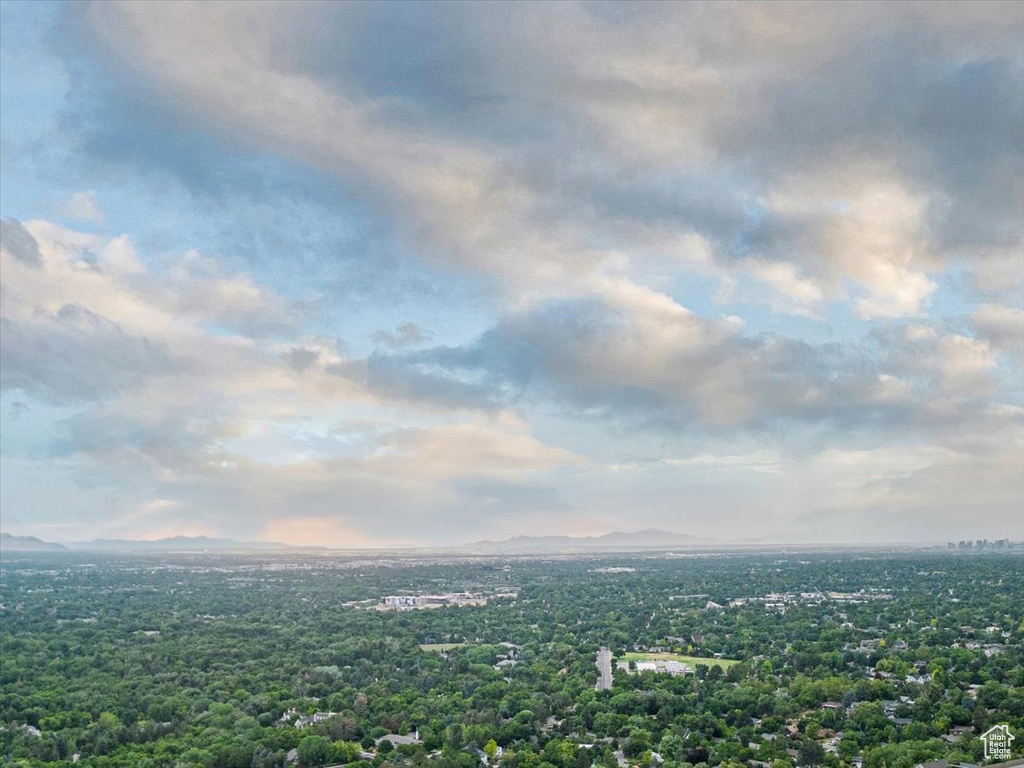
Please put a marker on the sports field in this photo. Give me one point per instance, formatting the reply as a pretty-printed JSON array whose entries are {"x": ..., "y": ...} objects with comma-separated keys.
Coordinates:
[{"x": 693, "y": 661}]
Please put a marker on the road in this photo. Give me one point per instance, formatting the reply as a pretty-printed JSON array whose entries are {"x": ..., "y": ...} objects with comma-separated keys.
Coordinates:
[{"x": 604, "y": 666}]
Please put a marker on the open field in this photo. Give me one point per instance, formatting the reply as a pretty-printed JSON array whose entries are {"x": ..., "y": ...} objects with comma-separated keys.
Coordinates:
[
  {"x": 693, "y": 661},
  {"x": 440, "y": 647}
]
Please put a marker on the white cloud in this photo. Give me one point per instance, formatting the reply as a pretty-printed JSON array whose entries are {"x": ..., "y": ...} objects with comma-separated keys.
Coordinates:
[
  {"x": 660, "y": 91},
  {"x": 785, "y": 278},
  {"x": 966, "y": 365},
  {"x": 853, "y": 222},
  {"x": 583, "y": 169},
  {"x": 163, "y": 398},
  {"x": 82, "y": 206},
  {"x": 1002, "y": 326}
]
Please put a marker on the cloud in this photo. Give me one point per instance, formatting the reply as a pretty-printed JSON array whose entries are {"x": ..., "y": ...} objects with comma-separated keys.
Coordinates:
[
  {"x": 461, "y": 450},
  {"x": 915, "y": 496},
  {"x": 944, "y": 366},
  {"x": 501, "y": 498},
  {"x": 301, "y": 358},
  {"x": 641, "y": 359},
  {"x": 197, "y": 287},
  {"x": 164, "y": 402},
  {"x": 91, "y": 326},
  {"x": 664, "y": 93},
  {"x": 74, "y": 355},
  {"x": 82, "y": 206},
  {"x": 106, "y": 276},
  {"x": 407, "y": 334},
  {"x": 727, "y": 253},
  {"x": 1002, "y": 326},
  {"x": 19, "y": 243},
  {"x": 428, "y": 483},
  {"x": 315, "y": 532}
]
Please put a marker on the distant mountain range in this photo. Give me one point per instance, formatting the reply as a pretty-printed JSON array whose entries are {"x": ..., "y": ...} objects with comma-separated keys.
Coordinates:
[
  {"x": 173, "y": 544},
  {"x": 617, "y": 539},
  {"x": 10, "y": 543},
  {"x": 647, "y": 539}
]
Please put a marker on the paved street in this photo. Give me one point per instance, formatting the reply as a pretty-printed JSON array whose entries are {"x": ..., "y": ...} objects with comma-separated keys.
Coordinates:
[{"x": 604, "y": 665}]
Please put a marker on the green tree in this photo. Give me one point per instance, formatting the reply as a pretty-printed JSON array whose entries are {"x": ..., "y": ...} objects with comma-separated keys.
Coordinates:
[
  {"x": 811, "y": 753},
  {"x": 491, "y": 750},
  {"x": 313, "y": 751}
]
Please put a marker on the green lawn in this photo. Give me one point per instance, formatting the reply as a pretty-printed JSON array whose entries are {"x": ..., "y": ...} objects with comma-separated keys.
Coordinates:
[
  {"x": 693, "y": 661},
  {"x": 441, "y": 647}
]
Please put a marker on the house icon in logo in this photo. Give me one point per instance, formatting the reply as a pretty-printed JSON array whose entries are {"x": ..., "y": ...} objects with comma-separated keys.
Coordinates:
[{"x": 997, "y": 742}]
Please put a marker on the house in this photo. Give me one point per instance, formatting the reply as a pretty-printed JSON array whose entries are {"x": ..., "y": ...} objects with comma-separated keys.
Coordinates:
[
  {"x": 397, "y": 740},
  {"x": 302, "y": 721},
  {"x": 956, "y": 733},
  {"x": 933, "y": 764},
  {"x": 831, "y": 706},
  {"x": 316, "y": 717}
]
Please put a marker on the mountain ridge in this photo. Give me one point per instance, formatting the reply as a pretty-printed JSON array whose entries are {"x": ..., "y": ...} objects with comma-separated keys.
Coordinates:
[
  {"x": 172, "y": 543},
  {"x": 11, "y": 543},
  {"x": 647, "y": 538}
]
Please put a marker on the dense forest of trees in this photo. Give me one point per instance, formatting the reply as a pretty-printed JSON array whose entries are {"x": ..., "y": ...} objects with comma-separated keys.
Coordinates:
[{"x": 187, "y": 660}]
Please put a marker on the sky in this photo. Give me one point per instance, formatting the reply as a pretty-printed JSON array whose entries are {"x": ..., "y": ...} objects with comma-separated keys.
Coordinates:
[{"x": 373, "y": 274}]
